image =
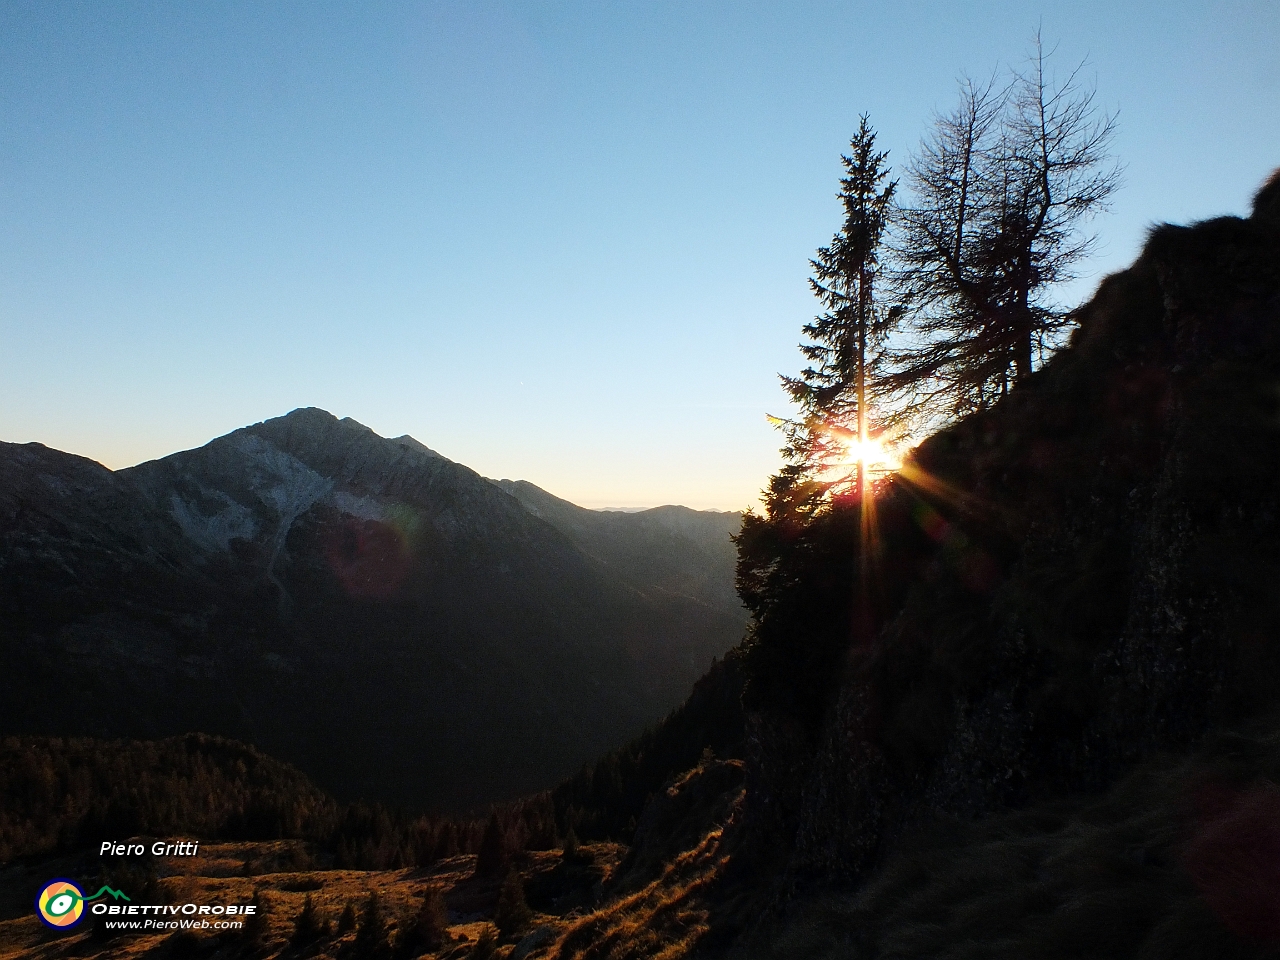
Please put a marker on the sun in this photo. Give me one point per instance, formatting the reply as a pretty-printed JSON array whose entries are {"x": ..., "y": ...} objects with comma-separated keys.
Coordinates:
[
  {"x": 837, "y": 452},
  {"x": 873, "y": 452},
  {"x": 878, "y": 457}
]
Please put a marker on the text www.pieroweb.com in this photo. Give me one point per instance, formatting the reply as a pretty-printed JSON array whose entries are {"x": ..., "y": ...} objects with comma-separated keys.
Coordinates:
[{"x": 187, "y": 916}]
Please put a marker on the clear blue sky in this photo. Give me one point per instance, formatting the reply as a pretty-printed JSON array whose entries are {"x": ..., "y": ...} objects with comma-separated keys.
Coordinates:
[{"x": 560, "y": 242}]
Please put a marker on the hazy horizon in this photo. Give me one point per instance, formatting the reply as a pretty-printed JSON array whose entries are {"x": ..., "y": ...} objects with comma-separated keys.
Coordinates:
[{"x": 604, "y": 505}]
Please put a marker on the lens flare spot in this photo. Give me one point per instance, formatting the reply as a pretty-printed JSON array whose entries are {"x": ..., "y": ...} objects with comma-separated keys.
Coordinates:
[{"x": 370, "y": 558}]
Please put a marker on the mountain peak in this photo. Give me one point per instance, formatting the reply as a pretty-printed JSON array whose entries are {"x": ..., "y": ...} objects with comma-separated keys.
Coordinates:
[
  {"x": 311, "y": 425},
  {"x": 315, "y": 418}
]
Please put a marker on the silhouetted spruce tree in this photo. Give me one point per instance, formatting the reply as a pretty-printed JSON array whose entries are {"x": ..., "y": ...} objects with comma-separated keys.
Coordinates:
[
  {"x": 446, "y": 843},
  {"x": 429, "y": 928},
  {"x": 492, "y": 856},
  {"x": 512, "y": 915},
  {"x": 372, "y": 936},
  {"x": 570, "y": 850},
  {"x": 347, "y": 919},
  {"x": 539, "y": 817},
  {"x": 845, "y": 346},
  {"x": 309, "y": 925},
  {"x": 256, "y": 925}
]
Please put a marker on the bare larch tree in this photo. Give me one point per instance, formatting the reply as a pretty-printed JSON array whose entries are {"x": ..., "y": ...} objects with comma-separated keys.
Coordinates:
[{"x": 1000, "y": 190}]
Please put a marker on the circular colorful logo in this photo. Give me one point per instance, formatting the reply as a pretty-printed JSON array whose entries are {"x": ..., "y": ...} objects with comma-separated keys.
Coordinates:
[{"x": 60, "y": 904}]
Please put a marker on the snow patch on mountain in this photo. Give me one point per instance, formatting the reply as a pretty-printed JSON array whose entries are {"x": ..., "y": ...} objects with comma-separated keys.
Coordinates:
[
  {"x": 365, "y": 508},
  {"x": 281, "y": 480},
  {"x": 286, "y": 484},
  {"x": 213, "y": 532}
]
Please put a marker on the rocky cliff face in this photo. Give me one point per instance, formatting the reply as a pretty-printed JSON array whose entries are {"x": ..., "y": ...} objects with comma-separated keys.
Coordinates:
[
  {"x": 384, "y": 618},
  {"x": 1072, "y": 582}
]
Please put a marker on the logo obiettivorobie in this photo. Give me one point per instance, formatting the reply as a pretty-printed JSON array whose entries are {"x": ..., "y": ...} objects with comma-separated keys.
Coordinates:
[{"x": 60, "y": 903}]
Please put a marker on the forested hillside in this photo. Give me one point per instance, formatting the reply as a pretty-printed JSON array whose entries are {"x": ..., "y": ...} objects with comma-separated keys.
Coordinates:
[{"x": 67, "y": 795}]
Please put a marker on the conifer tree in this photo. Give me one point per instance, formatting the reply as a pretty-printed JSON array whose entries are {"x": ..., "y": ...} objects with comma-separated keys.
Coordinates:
[
  {"x": 309, "y": 926},
  {"x": 845, "y": 345},
  {"x": 512, "y": 915},
  {"x": 256, "y": 925},
  {"x": 372, "y": 936},
  {"x": 492, "y": 855},
  {"x": 447, "y": 843},
  {"x": 570, "y": 850},
  {"x": 429, "y": 927},
  {"x": 347, "y": 920}
]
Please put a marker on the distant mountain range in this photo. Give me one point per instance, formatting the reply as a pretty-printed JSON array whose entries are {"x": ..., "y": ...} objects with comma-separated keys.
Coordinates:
[{"x": 388, "y": 620}]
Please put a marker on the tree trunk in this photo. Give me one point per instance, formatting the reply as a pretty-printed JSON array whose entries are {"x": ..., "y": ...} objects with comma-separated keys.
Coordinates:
[
  {"x": 863, "y": 297},
  {"x": 1022, "y": 345}
]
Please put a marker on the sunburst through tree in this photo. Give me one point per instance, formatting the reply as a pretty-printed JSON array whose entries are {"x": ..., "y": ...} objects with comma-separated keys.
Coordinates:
[{"x": 835, "y": 441}]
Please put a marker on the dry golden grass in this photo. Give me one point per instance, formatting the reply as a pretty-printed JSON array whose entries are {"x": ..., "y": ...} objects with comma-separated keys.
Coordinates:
[{"x": 661, "y": 921}]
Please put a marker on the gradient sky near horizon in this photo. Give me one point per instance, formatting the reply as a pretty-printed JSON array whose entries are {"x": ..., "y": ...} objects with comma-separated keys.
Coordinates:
[{"x": 560, "y": 242}]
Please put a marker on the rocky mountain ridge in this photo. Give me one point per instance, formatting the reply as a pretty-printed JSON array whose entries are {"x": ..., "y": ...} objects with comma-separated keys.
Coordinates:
[{"x": 314, "y": 588}]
